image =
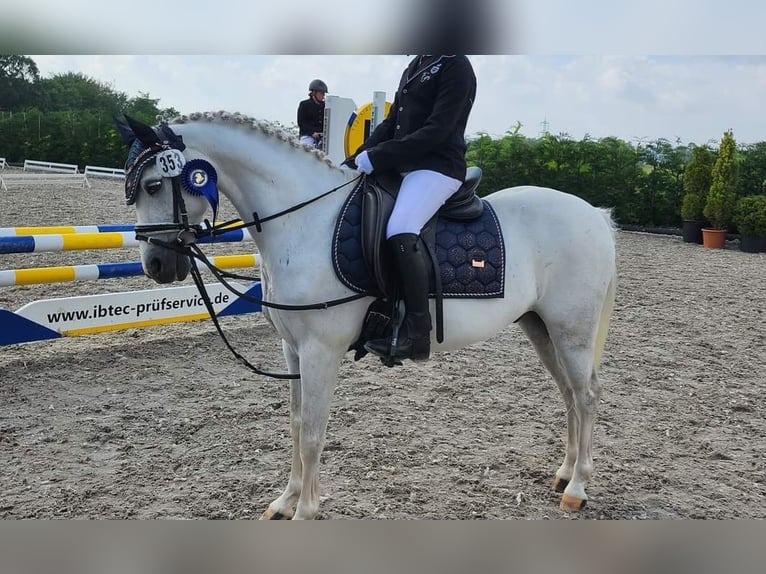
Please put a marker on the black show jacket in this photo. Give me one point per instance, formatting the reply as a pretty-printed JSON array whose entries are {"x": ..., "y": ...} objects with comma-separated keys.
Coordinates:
[
  {"x": 310, "y": 117},
  {"x": 425, "y": 127}
]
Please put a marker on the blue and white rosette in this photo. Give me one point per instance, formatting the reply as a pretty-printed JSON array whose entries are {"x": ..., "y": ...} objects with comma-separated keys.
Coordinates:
[{"x": 200, "y": 178}]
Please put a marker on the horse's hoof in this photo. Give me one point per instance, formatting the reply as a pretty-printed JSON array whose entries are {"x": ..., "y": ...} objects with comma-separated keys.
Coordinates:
[
  {"x": 559, "y": 484},
  {"x": 572, "y": 504},
  {"x": 272, "y": 515}
]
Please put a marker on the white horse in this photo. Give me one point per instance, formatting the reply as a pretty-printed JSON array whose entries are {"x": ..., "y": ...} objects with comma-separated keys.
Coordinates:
[{"x": 560, "y": 283}]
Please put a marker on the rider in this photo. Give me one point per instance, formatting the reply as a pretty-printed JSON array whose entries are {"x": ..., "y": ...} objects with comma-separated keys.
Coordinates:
[
  {"x": 311, "y": 114},
  {"x": 423, "y": 138}
]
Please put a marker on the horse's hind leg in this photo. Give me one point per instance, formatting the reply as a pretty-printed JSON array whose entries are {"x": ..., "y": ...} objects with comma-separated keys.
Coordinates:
[
  {"x": 282, "y": 507},
  {"x": 574, "y": 344},
  {"x": 587, "y": 393},
  {"x": 538, "y": 335}
]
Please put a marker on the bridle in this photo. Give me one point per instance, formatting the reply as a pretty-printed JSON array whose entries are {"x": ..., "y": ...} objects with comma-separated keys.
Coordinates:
[
  {"x": 185, "y": 242},
  {"x": 133, "y": 172}
]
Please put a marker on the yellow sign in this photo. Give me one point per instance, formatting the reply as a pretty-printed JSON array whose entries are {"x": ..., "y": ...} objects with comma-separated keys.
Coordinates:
[{"x": 359, "y": 127}]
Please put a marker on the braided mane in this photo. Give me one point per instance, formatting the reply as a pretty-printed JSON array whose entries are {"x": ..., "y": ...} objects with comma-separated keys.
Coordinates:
[{"x": 269, "y": 129}]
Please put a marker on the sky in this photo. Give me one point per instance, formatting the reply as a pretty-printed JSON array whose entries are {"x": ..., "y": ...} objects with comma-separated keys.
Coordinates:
[
  {"x": 683, "y": 98},
  {"x": 684, "y": 70},
  {"x": 545, "y": 27}
]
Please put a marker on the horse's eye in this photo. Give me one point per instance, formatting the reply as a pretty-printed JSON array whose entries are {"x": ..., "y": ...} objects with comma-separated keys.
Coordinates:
[{"x": 153, "y": 186}]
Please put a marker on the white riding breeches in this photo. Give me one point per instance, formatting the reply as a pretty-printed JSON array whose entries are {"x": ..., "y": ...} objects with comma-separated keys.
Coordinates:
[
  {"x": 421, "y": 195},
  {"x": 308, "y": 140}
]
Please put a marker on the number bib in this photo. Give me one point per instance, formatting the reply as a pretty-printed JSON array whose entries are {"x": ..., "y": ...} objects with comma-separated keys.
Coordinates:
[{"x": 170, "y": 162}]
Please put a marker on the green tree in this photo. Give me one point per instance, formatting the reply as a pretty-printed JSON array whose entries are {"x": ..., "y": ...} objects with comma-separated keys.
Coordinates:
[
  {"x": 750, "y": 215},
  {"x": 505, "y": 162},
  {"x": 18, "y": 77},
  {"x": 722, "y": 197},
  {"x": 752, "y": 170},
  {"x": 697, "y": 179},
  {"x": 145, "y": 108},
  {"x": 661, "y": 185},
  {"x": 74, "y": 91},
  {"x": 645, "y": 183},
  {"x": 616, "y": 179},
  {"x": 65, "y": 118},
  {"x": 484, "y": 152}
]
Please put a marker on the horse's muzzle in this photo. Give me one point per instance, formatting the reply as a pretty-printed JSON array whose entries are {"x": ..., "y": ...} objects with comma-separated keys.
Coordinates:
[{"x": 164, "y": 265}]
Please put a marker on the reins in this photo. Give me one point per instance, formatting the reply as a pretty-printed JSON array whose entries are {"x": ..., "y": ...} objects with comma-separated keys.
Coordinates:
[
  {"x": 197, "y": 277},
  {"x": 233, "y": 224},
  {"x": 186, "y": 244}
]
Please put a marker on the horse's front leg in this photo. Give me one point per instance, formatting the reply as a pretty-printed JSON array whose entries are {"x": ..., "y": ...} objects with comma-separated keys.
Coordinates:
[
  {"x": 282, "y": 507},
  {"x": 319, "y": 376}
]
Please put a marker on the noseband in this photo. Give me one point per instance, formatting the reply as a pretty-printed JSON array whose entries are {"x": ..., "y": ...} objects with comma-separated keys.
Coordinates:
[{"x": 187, "y": 234}]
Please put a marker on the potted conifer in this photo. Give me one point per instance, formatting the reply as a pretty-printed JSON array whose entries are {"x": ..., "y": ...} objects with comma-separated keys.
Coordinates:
[
  {"x": 750, "y": 217},
  {"x": 697, "y": 180},
  {"x": 721, "y": 199}
]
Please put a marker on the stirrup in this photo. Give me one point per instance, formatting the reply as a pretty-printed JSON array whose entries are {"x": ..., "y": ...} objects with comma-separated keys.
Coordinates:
[
  {"x": 419, "y": 349},
  {"x": 384, "y": 356},
  {"x": 389, "y": 361}
]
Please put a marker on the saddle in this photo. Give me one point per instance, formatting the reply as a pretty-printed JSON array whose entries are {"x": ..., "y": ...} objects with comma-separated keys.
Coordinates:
[
  {"x": 378, "y": 198},
  {"x": 463, "y": 230}
]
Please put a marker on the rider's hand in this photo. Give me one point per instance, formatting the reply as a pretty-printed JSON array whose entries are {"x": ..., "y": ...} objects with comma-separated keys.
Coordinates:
[
  {"x": 349, "y": 162},
  {"x": 363, "y": 163}
]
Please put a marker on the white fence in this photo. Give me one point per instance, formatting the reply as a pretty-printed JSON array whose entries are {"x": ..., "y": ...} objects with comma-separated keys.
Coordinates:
[
  {"x": 58, "y": 174},
  {"x": 21, "y": 179},
  {"x": 93, "y": 170},
  {"x": 32, "y": 164}
]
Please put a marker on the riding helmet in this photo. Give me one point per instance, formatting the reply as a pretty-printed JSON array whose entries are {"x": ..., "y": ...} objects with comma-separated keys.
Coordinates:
[{"x": 318, "y": 86}]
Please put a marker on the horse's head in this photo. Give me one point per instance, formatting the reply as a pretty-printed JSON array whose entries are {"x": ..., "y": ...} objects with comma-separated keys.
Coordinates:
[{"x": 170, "y": 193}]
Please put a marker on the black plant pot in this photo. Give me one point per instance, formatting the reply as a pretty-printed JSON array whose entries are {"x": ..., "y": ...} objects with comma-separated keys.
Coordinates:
[
  {"x": 752, "y": 243},
  {"x": 692, "y": 231}
]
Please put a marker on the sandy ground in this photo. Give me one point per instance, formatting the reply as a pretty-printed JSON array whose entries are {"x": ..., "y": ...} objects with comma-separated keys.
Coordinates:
[{"x": 164, "y": 423}]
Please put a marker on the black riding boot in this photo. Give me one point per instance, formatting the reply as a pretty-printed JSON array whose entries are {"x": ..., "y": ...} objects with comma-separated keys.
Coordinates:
[{"x": 414, "y": 337}]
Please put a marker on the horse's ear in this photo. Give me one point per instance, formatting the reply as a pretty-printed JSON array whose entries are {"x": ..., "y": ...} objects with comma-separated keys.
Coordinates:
[
  {"x": 126, "y": 133},
  {"x": 143, "y": 132},
  {"x": 173, "y": 139}
]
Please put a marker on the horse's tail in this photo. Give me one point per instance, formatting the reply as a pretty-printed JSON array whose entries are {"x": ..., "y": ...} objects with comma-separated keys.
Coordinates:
[{"x": 608, "y": 305}]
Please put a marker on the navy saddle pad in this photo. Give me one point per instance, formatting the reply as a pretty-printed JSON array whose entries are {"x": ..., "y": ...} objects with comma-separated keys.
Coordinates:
[{"x": 471, "y": 254}]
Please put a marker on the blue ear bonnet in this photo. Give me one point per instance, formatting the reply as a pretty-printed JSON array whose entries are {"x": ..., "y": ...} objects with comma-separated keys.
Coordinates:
[
  {"x": 140, "y": 155},
  {"x": 133, "y": 153}
]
